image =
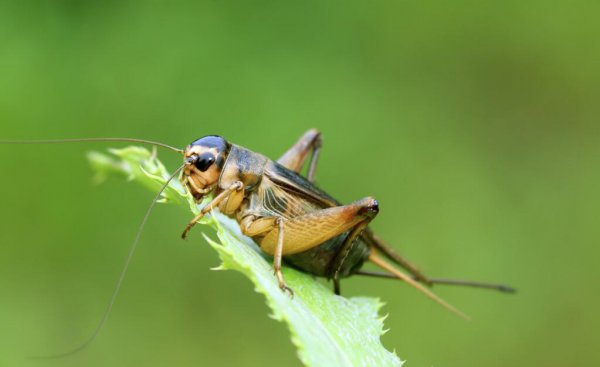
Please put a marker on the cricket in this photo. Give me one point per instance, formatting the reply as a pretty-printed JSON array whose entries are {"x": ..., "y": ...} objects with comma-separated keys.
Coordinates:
[{"x": 289, "y": 217}]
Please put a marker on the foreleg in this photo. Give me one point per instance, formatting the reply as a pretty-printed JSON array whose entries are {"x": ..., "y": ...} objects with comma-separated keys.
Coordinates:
[{"x": 225, "y": 194}]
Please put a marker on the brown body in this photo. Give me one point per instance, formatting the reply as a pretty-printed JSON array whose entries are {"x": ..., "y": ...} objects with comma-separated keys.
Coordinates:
[
  {"x": 285, "y": 213},
  {"x": 290, "y": 218}
]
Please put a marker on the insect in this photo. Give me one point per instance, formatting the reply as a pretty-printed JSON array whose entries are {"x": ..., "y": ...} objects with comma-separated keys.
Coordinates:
[{"x": 288, "y": 216}]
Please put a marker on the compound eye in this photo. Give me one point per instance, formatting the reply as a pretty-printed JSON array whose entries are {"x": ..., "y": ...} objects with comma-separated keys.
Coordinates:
[{"x": 204, "y": 161}]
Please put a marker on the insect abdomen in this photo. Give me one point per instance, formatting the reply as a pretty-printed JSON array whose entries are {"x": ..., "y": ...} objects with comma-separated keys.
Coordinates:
[{"x": 318, "y": 260}]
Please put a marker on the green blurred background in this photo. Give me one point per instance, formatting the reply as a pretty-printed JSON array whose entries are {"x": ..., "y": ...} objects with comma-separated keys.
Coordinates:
[{"x": 475, "y": 125}]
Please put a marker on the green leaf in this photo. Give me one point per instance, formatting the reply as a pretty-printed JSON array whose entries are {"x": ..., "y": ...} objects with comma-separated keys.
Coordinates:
[{"x": 328, "y": 330}]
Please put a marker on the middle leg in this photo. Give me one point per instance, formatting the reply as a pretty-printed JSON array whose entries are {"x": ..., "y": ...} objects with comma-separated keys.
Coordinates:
[
  {"x": 277, "y": 259},
  {"x": 308, "y": 231}
]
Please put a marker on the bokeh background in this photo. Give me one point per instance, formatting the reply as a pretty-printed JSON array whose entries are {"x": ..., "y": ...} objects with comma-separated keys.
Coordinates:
[{"x": 475, "y": 125}]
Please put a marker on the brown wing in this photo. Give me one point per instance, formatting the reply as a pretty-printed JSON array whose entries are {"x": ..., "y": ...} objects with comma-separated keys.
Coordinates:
[
  {"x": 272, "y": 200},
  {"x": 294, "y": 184}
]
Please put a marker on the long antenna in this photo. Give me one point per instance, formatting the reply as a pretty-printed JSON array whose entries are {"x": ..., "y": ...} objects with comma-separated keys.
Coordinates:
[
  {"x": 81, "y": 140},
  {"x": 117, "y": 288}
]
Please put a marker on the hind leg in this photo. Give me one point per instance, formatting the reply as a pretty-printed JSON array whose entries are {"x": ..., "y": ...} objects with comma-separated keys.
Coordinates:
[
  {"x": 374, "y": 241},
  {"x": 295, "y": 157}
]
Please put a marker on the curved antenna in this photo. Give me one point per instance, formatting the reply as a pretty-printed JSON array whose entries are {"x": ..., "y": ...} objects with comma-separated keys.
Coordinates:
[
  {"x": 82, "y": 140},
  {"x": 117, "y": 288}
]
